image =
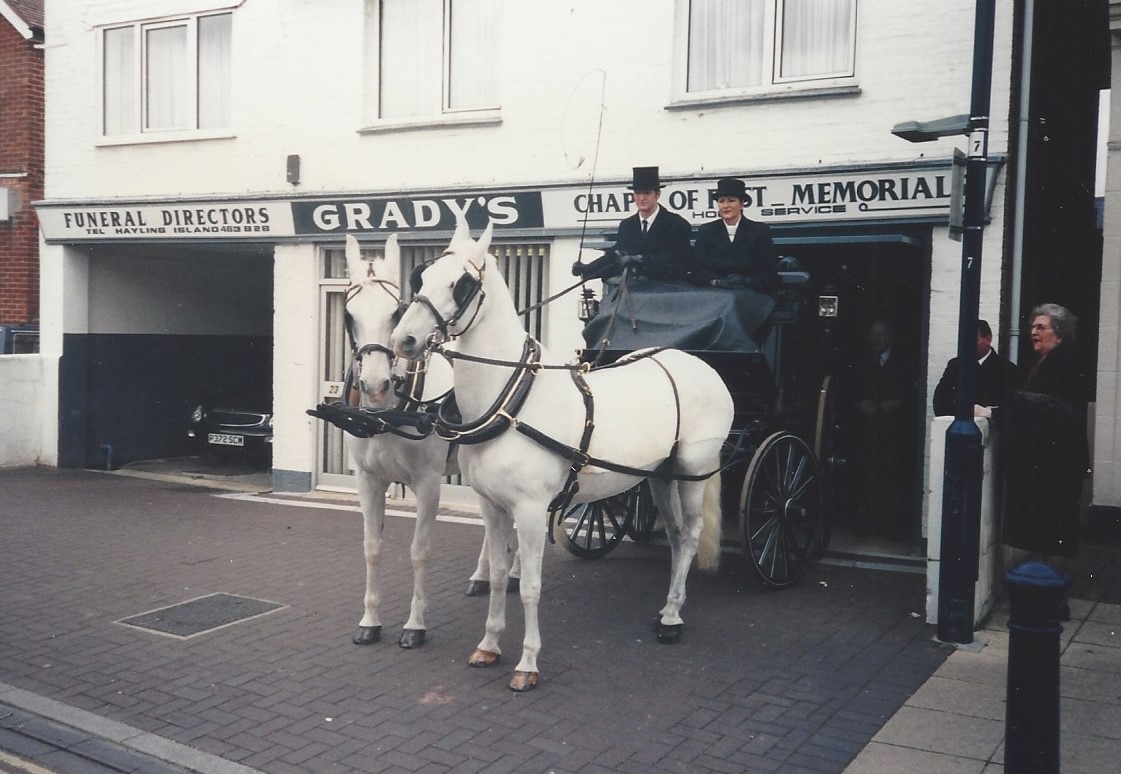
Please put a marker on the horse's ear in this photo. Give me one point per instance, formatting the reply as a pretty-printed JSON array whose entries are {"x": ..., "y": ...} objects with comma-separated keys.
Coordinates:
[
  {"x": 462, "y": 231},
  {"x": 392, "y": 250},
  {"x": 484, "y": 240},
  {"x": 355, "y": 266}
]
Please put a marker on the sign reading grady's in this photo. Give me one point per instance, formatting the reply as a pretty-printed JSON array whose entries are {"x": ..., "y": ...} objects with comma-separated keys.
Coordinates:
[{"x": 405, "y": 213}]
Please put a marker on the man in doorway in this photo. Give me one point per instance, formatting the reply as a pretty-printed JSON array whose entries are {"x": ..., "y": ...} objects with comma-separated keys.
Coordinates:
[
  {"x": 653, "y": 242},
  {"x": 884, "y": 385},
  {"x": 996, "y": 377},
  {"x": 734, "y": 252}
]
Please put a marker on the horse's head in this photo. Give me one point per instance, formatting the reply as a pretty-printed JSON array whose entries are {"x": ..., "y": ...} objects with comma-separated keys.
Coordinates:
[
  {"x": 373, "y": 307},
  {"x": 448, "y": 294}
]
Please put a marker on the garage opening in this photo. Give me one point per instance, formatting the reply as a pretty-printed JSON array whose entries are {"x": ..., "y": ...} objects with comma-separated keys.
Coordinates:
[{"x": 170, "y": 328}]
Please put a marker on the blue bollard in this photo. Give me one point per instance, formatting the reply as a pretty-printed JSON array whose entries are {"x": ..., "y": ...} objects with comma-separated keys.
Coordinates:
[{"x": 1036, "y": 590}]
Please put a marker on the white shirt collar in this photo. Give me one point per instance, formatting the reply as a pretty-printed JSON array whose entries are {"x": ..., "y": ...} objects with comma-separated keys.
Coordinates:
[
  {"x": 986, "y": 357},
  {"x": 650, "y": 220}
]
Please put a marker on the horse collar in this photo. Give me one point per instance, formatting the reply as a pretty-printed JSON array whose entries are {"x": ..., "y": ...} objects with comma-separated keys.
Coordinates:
[{"x": 502, "y": 413}]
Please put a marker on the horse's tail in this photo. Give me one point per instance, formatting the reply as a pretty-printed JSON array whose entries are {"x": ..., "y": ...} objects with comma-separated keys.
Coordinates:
[{"x": 708, "y": 551}]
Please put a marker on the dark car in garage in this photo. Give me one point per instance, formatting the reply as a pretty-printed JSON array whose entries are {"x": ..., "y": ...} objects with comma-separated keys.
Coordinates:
[{"x": 234, "y": 427}]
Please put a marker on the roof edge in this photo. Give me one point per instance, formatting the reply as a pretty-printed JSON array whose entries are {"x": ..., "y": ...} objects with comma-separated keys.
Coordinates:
[{"x": 21, "y": 26}]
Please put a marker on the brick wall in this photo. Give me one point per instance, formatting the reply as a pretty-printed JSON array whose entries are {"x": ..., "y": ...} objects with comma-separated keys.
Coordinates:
[{"x": 21, "y": 169}]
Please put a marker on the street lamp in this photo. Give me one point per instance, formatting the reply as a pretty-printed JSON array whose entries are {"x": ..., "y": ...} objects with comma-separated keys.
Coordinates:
[{"x": 963, "y": 469}]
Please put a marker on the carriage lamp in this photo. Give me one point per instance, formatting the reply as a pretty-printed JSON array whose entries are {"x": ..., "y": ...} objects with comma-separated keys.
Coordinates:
[
  {"x": 587, "y": 306},
  {"x": 826, "y": 306}
]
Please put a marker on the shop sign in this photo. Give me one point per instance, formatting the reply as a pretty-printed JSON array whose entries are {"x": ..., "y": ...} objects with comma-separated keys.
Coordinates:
[
  {"x": 417, "y": 213},
  {"x": 205, "y": 220},
  {"x": 779, "y": 199}
]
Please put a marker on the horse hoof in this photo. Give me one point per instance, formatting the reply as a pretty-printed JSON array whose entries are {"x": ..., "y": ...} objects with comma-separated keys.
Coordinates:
[
  {"x": 367, "y": 635},
  {"x": 477, "y": 588},
  {"x": 523, "y": 681},
  {"x": 669, "y": 635},
  {"x": 513, "y": 585},
  {"x": 411, "y": 638},
  {"x": 483, "y": 658}
]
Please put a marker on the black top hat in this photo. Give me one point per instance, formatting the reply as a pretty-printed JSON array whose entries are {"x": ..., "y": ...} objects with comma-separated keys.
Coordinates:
[
  {"x": 730, "y": 186},
  {"x": 645, "y": 179}
]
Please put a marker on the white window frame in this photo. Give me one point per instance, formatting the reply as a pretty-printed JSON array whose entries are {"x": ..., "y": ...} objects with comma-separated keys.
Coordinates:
[
  {"x": 774, "y": 87},
  {"x": 140, "y": 132},
  {"x": 483, "y": 116}
]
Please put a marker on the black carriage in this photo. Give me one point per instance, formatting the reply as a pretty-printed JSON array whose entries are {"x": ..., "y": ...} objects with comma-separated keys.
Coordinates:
[{"x": 781, "y": 458}]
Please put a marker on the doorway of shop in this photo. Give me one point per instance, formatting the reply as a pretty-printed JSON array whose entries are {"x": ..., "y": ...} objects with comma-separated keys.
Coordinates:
[{"x": 877, "y": 355}]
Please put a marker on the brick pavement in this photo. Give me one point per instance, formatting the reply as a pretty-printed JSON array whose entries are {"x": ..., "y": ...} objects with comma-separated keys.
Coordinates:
[{"x": 792, "y": 681}]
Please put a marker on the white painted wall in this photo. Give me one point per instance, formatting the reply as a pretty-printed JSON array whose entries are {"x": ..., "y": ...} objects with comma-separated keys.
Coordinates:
[
  {"x": 22, "y": 407},
  {"x": 296, "y": 349},
  {"x": 299, "y": 89},
  {"x": 1107, "y": 424}
]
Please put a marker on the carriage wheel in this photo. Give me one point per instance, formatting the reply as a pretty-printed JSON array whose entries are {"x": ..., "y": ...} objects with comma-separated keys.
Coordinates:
[
  {"x": 827, "y": 451},
  {"x": 592, "y": 530},
  {"x": 781, "y": 504},
  {"x": 640, "y": 505}
]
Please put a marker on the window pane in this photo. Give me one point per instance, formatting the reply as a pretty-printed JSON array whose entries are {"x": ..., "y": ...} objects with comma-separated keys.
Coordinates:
[
  {"x": 412, "y": 54},
  {"x": 214, "y": 71},
  {"x": 726, "y": 44},
  {"x": 816, "y": 38},
  {"x": 167, "y": 94},
  {"x": 119, "y": 70},
  {"x": 473, "y": 54}
]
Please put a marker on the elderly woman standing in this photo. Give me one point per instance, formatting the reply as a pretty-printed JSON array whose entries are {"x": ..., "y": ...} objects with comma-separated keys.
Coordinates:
[{"x": 1048, "y": 452}]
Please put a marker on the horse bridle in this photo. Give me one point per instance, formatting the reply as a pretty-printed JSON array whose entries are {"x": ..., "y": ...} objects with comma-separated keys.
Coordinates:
[
  {"x": 358, "y": 352},
  {"x": 465, "y": 290}
]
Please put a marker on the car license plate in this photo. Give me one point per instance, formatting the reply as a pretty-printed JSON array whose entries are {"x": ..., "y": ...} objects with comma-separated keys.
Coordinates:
[{"x": 225, "y": 439}]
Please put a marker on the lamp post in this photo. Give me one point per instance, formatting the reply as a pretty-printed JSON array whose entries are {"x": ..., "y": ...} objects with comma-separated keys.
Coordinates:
[{"x": 963, "y": 469}]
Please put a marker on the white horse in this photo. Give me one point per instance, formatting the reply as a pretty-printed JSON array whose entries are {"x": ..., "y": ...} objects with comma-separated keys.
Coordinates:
[
  {"x": 664, "y": 414},
  {"x": 373, "y": 306}
]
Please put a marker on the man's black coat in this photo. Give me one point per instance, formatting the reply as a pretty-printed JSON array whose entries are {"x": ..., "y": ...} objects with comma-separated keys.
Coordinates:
[
  {"x": 664, "y": 249},
  {"x": 996, "y": 379}
]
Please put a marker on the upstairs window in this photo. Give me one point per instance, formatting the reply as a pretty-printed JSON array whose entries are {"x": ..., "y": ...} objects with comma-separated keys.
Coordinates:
[
  {"x": 168, "y": 78},
  {"x": 433, "y": 60},
  {"x": 750, "y": 47}
]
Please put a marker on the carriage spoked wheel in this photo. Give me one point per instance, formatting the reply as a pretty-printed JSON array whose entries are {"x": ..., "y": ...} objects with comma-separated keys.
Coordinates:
[
  {"x": 592, "y": 530},
  {"x": 782, "y": 509},
  {"x": 640, "y": 506}
]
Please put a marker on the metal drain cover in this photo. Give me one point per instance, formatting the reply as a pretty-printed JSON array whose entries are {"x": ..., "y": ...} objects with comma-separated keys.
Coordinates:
[{"x": 200, "y": 615}]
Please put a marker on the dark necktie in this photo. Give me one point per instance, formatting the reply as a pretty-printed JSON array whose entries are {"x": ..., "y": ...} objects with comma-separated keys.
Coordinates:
[{"x": 645, "y": 225}]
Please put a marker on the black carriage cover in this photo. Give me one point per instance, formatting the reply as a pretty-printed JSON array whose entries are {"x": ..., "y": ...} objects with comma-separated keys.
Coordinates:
[{"x": 649, "y": 313}]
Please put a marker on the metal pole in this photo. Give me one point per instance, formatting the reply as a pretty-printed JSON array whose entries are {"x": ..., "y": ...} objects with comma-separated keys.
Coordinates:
[
  {"x": 1031, "y": 722},
  {"x": 962, "y": 472}
]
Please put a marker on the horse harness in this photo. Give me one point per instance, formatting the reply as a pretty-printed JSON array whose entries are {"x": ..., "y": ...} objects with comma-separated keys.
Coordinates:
[{"x": 502, "y": 415}]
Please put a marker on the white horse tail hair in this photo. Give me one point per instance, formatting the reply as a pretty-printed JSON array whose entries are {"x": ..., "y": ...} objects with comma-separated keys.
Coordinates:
[{"x": 708, "y": 550}]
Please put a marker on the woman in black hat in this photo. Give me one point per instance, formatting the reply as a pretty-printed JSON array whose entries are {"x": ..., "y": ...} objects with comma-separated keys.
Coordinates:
[{"x": 734, "y": 252}]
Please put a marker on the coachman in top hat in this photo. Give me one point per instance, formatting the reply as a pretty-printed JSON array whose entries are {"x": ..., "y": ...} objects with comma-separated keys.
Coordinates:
[{"x": 653, "y": 241}]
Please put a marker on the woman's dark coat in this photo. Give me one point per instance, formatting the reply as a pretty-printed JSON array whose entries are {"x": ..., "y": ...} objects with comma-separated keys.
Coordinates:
[{"x": 1048, "y": 457}]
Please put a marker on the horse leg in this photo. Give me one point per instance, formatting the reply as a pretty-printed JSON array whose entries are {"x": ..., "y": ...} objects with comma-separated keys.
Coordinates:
[
  {"x": 514, "y": 582},
  {"x": 531, "y": 547},
  {"x": 498, "y": 526},
  {"x": 371, "y": 498},
  {"x": 479, "y": 582},
  {"x": 427, "y": 490},
  {"x": 681, "y": 519}
]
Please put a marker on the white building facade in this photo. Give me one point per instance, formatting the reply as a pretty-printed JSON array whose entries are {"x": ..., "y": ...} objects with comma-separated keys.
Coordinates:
[{"x": 205, "y": 163}]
